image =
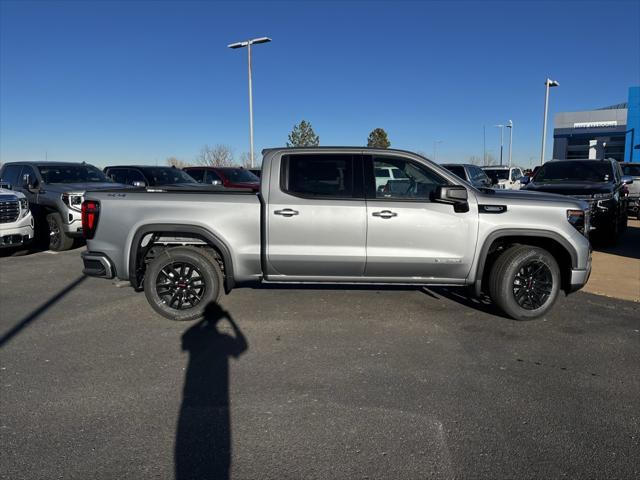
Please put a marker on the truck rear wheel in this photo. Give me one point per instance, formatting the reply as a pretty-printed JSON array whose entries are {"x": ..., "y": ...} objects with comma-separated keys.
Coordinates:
[
  {"x": 524, "y": 282},
  {"x": 181, "y": 282},
  {"x": 59, "y": 241}
]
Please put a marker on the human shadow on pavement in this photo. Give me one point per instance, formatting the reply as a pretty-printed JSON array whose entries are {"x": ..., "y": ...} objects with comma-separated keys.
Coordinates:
[{"x": 203, "y": 437}]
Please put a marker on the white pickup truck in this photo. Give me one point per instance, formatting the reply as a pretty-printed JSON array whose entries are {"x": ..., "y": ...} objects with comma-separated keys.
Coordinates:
[{"x": 16, "y": 221}]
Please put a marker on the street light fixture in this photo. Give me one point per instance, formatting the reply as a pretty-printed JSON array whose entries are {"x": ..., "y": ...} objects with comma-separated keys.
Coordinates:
[
  {"x": 501, "y": 127},
  {"x": 548, "y": 84},
  {"x": 248, "y": 43},
  {"x": 510, "y": 127}
]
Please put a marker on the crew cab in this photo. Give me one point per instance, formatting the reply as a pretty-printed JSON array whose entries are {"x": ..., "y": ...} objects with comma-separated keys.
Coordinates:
[{"x": 320, "y": 217}]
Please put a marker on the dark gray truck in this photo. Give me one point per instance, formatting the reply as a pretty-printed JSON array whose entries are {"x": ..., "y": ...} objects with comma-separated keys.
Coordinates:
[{"x": 321, "y": 217}]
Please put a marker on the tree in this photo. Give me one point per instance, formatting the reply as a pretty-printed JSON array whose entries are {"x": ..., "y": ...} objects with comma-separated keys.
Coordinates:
[
  {"x": 378, "y": 139},
  {"x": 303, "y": 135},
  {"x": 176, "y": 162},
  {"x": 217, "y": 156}
]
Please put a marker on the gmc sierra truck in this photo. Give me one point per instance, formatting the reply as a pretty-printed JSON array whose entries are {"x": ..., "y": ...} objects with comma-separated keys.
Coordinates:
[{"x": 319, "y": 217}]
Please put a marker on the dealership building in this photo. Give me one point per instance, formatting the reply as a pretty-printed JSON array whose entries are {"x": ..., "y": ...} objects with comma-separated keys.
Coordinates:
[{"x": 608, "y": 132}]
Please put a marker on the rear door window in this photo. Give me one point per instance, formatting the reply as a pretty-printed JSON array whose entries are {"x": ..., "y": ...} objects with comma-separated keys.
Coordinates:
[
  {"x": 320, "y": 175},
  {"x": 118, "y": 175},
  {"x": 211, "y": 176},
  {"x": 196, "y": 173}
]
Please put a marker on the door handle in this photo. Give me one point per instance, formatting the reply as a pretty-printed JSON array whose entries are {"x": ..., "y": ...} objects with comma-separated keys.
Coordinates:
[
  {"x": 287, "y": 212},
  {"x": 385, "y": 214}
]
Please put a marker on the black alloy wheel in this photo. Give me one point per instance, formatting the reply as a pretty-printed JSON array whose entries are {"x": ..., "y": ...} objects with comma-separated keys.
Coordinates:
[
  {"x": 532, "y": 285},
  {"x": 180, "y": 285}
]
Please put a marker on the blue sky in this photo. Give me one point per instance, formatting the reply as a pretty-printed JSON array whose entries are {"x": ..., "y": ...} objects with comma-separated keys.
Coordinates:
[{"x": 114, "y": 82}]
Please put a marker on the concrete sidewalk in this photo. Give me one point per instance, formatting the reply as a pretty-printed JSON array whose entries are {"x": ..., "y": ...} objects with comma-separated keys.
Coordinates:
[{"x": 616, "y": 270}]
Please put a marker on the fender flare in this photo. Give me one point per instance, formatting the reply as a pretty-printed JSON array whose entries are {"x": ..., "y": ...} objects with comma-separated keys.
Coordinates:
[
  {"x": 209, "y": 237},
  {"x": 519, "y": 232}
]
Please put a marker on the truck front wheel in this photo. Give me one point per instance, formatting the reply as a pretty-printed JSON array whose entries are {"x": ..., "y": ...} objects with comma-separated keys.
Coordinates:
[
  {"x": 181, "y": 282},
  {"x": 524, "y": 282},
  {"x": 59, "y": 241}
]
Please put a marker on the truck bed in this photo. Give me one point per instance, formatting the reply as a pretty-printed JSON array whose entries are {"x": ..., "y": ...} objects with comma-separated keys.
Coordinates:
[{"x": 232, "y": 215}]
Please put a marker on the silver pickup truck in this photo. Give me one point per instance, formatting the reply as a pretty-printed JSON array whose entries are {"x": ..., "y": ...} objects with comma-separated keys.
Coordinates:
[{"x": 337, "y": 216}]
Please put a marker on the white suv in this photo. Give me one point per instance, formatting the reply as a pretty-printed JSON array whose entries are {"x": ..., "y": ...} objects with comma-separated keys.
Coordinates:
[
  {"x": 16, "y": 221},
  {"x": 505, "y": 178}
]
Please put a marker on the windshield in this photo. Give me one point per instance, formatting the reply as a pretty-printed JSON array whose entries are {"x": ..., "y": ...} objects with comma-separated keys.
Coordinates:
[
  {"x": 239, "y": 175},
  {"x": 80, "y": 173},
  {"x": 496, "y": 175},
  {"x": 167, "y": 176},
  {"x": 571, "y": 171},
  {"x": 456, "y": 170},
  {"x": 633, "y": 170}
]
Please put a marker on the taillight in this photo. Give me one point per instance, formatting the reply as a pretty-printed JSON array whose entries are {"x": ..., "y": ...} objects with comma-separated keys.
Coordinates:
[{"x": 90, "y": 214}]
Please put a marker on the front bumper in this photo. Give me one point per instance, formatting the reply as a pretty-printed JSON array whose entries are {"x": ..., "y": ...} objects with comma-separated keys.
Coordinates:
[
  {"x": 579, "y": 277},
  {"x": 18, "y": 234},
  {"x": 634, "y": 205},
  {"x": 71, "y": 222}
]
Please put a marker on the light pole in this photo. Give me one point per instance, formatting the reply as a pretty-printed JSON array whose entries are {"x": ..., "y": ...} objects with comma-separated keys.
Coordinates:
[
  {"x": 510, "y": 127},
  {"x": 501, "y": 127},
  {"x": 435, "y": 150},
  {"x": 484, "y": 145},
  {"x": 248, "y": 43},
  {"x": 548, "y": 84}
]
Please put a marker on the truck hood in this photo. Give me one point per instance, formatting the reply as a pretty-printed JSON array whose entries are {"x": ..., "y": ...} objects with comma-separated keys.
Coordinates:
[
  {"x": 82, "y": 187},
  {"x": 7, "y": 195},
  {"x": 567, "y": 188}
]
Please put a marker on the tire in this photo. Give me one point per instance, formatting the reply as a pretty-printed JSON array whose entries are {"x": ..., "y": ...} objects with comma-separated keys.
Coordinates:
[
  {"x": 58, "y": 240},
  {"x": 187, "y": 297},
  {"x": 513, "y": 277}
]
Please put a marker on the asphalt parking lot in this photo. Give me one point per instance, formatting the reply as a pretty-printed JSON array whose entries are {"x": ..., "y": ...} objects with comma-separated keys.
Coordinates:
[{"x": 312, "y": 383}]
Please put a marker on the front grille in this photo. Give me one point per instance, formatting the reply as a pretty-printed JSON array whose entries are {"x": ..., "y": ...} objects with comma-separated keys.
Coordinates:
[{"x": 9, "y": 211}]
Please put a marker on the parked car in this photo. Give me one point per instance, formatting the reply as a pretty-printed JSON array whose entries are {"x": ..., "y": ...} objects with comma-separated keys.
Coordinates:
[
  {"x": 16, "y": 221},
  {"x": 471, "y": 173},
  {"x": 228, "y": 177},
  {"x": 256, "y": 171},
  {"x": 505, "y": 178},
  {"x": 598, "y": 182},
  {"x": 55, "y": 191},
  {"x": 633, "y": 170},
  {"x": 320, "y": 218},
  {"x": 149, "y": 176}
]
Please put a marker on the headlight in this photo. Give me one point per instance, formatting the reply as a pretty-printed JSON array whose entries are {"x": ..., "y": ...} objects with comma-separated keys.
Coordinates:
[
  {"x": 577, "y": 219},
  {"x": 24, "y": 207},
  {"x": 73, "y": 200}
]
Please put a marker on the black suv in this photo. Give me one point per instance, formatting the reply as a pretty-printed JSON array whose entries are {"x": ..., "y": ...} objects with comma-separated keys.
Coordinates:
[
  {"x": 598, "y": 182},
  {"x": 150, "y": 176}
]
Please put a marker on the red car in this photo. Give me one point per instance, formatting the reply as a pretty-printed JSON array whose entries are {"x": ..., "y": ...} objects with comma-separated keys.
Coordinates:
[{"x": 228, "y": 177}]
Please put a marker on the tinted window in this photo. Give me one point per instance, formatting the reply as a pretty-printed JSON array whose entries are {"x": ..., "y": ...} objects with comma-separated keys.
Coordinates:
[
  {"x": 320, "y": 175},
  {"x": 571, "y": 171},
  {"x": 167, "y": 176},
  {"x": 239, "y": 175},
  {"x": 456, "y": 170},
  {"x": 415, "y": 182},
  {"x": 382, "y": 173},
  {"x": 496, "y": 175},
  {"x": 135, "y": 176},
  {"x": 633, "y": 170},
  {"x": 80, "y": 173},
  {"x": 197, "y": 174},
  {"x": 210, "y": 176},
  {"x": 118, "y": 175},
  {"x": 11, "y": 175}
]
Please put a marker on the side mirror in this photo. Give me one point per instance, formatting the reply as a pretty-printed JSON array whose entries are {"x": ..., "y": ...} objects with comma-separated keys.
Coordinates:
[
  {"x": 455, "y": 195},
  {"x": 525, "y": 180},
  {"x": 216, "y": 182},
  {"x": 139, "y": 184},
  {"x": 28, "y": 183},
  {"x": 627, "y": 179}
]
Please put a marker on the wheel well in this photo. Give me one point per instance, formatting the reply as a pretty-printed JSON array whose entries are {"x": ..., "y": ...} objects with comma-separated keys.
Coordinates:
[
  {"x": 555, "y": 248},
  {"x": 150, "y": 244}
]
